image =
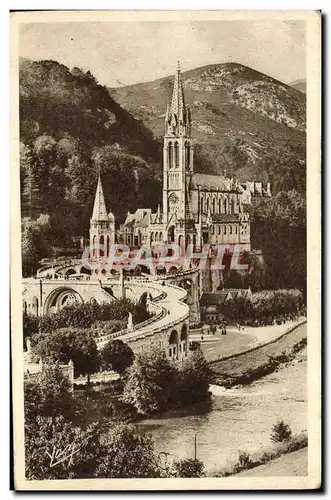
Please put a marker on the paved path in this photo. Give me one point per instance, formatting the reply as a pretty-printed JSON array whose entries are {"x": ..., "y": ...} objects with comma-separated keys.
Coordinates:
[
  {"x": 291, "y": 464},
  {"x": 234, "y": 342},
  {"x": 175, "y": 310}
]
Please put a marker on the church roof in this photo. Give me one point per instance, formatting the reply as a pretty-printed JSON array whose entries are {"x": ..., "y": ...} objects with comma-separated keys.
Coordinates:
[
  {"x": 221, "y": 296},
  {"x": 223, "y": 218},
  {"x": 211, "y": 182},
  {"x": 214, "y": 298},
  {"x": 99, "y": 210},
  {"x": 139, "y": 218}
]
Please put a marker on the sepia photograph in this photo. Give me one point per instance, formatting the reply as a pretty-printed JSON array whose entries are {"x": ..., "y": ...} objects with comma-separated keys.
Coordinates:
[{"x": 165, "y": 250}]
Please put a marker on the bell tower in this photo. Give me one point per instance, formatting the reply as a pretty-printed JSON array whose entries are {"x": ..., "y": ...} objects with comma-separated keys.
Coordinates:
[{"x": 177, "y": 153}]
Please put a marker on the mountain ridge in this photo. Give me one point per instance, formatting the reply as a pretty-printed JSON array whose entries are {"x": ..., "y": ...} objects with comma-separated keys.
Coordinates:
[{"x": 240, "y": 117}]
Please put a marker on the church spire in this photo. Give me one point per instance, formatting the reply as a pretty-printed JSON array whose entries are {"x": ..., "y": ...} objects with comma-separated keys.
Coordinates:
[
  {"x": 178, "y": 102},
  {"x": 99, "y": 209},
  {"x": 177, "y": 115}
]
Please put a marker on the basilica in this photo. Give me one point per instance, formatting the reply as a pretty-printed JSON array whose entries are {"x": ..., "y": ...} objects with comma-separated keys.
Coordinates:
[{"x": 196, "y": 208}]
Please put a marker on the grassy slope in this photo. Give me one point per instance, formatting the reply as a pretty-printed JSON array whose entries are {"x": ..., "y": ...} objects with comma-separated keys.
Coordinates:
[{"x": 292, "y": 464}]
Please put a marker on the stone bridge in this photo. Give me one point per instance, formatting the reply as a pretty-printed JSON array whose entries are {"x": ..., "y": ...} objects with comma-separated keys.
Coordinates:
[{"x": 174, "y": 302}]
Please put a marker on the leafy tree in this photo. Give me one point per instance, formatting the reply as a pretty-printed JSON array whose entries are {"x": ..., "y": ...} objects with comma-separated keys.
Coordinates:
[
  {"x": 67, "y": 344},
  {"x": 99, "y": 451},
  {"x": 30, "y": 251},
  {"x": 188, "y": 468},
  {"x": 234, "y": 280},
  {"x": 87, "y": 314},
  {"x": 279, "y": 230},
  {"x": 149, "y": 382},
  {"x": 117, "y": 356},
  {"x": 128, "y": 455},
  {"x": 47, "y": 394},
  {"x": 195, "y": 378},
  {"x": 52, "y": 435},
  {"x": 280, "y": 432}
]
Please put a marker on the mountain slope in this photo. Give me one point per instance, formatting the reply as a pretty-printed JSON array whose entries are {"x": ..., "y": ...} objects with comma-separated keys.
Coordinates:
[
  {"x": 60, "y": 102},
  {"x": 299, "y": 85},
  {"x": 241, "y": 118},
  {"x": 69, "y": 128}
]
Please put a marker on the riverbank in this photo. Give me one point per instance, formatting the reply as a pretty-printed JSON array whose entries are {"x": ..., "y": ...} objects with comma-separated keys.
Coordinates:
[
  {"x": 245, "y": 368},
  {"x": 217, "y": 347},
  {"x": 293, "y": 464},
  {"x": 268, "y": 456},
  {"x": 237, "y": 419}
]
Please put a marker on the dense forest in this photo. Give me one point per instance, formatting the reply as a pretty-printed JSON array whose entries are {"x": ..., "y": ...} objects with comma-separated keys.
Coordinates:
[{"x": 70, "y": 128}]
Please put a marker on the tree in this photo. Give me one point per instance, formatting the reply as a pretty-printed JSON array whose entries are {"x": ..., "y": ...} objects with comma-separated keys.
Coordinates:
[
  {"x": 67, "y": 344},
  {"x": 47, "y": 394},
  {"x": 279, "y": 230},
  {"x": 98, "y": 451},
  {"x": 195, "y": 378},
  {"x": 150, "y": 382},
  {"x": 128, "y": 455},
  {"x": 117, "y": 356},
  {"x": 280, "y": 432},
  {"x": 189, "y": 467},
  {"x": 234, "y": 280},
  {"x": 30, "y": 251}
]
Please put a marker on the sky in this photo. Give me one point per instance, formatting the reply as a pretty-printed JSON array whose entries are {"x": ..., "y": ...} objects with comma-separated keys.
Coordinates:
[{"x": 133, "y": 52}]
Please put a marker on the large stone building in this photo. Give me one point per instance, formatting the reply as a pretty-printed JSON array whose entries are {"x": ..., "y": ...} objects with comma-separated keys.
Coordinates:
[{"x": 196, "y": 208}]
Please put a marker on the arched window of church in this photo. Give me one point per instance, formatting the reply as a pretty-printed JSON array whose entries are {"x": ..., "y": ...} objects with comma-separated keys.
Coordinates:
[
  {"x": 207, "y": 205},
  {"x": 214, "y": 205},
  {"x": 224, "y": 229},
  {"x": 220, "y": 206},
  {"x": 201, "y": 205},
  {"x": 225, "y": 206},
  {"x": 233, "y": 206},
  {"x": 230, "y": 229},
  {"x": 188, "y": 153},
  {"x": 170, "y": 154},
  {"x": 176, "y": 155}
]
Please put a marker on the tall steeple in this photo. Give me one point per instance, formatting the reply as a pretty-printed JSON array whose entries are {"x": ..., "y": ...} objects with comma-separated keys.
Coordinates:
[
  {"x": 178, "y": 102},
  {"x": 102, "y": 226},
  {"x": 177, "y": 119},
  {"x": 99, "y": 209}
]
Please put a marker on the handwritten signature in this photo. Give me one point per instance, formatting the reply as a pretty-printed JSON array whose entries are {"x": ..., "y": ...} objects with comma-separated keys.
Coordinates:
[{"x": 59, "y": 455}]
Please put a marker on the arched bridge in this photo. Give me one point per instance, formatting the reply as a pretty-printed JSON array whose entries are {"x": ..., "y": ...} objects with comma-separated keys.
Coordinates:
[{"x": 166, "y": 329}]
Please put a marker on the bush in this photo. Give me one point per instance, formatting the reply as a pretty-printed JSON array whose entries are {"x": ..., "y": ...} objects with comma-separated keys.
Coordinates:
[
  {"x": 88, "y": 314},
  {"x": 190, "y": 467},
  {"x": 280, "y": 432},
  {"x": 244, "y": 462}
]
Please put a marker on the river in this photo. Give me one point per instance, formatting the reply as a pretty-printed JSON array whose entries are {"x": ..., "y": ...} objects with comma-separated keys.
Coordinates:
[{"x": 236, "y": 419}]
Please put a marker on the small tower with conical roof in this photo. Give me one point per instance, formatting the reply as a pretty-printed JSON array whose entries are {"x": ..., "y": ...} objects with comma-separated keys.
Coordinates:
[{"x": 102, "y": 225}]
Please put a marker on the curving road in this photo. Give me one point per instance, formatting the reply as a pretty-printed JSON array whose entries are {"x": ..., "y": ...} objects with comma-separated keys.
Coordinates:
[{"x": 167, "y": 304}]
